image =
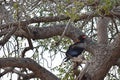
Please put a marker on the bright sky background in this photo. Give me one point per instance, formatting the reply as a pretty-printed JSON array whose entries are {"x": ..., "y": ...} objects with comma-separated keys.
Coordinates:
[{"x": 56, "y": 62}]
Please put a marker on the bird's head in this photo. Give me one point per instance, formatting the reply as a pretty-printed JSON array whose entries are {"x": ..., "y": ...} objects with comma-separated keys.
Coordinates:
[{"x": 81, "y": 38}]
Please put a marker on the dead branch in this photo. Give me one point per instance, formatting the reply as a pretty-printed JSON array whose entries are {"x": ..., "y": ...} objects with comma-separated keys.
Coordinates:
[{"x": 63, "y": 34}]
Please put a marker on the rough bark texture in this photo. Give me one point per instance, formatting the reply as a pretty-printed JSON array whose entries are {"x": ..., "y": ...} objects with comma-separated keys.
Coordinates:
[
  {"x": 104, "y": 55},
  {"x": 102, "y": 30},
  {"x": 38, "y": 70}
]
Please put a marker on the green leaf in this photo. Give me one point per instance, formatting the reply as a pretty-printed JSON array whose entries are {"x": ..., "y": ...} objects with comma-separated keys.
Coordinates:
[{"x": 15, "y": 5}]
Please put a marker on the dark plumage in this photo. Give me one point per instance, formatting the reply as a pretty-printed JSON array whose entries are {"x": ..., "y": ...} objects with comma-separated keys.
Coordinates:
[{"x": 75, "y": 49}]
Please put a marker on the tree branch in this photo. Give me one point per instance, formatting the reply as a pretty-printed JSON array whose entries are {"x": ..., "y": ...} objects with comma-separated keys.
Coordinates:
[
  {"x": 38, "y": 70},
  {"x": 56, "y": 18},
  {"x": 102, "y": 30},
  {"x": 118, "y": 63},
  {"x": 50, "y": 31},
  {"x": 7, "y": 36},
  {"x": 63, "y": 34},
  {"x": 6, "y": 70},
  {"x": 25, "y": 76},
  {"x": 115, "y": 46},
  {"x": 27, "y": 48},
  {"x": 29, "y": 41},
  {"x": 105, "y": 55}
]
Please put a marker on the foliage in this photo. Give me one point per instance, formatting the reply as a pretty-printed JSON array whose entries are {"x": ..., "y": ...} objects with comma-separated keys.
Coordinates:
[{"x": 20, "y": 10}]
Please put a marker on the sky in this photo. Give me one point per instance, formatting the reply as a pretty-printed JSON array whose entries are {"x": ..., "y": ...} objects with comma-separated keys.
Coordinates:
[{"x": 46, "y": 62}]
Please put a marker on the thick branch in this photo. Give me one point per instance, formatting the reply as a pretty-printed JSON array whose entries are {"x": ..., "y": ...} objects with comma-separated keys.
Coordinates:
[
  {"x": 116, "y": 47},
  {"x": 118, "y": 63},
  {"x": 50, "y": 31},
  {"x": 105, "y": 58},
  {"x": 39, "y": 71},
  {"x": 102, "y": 30}
]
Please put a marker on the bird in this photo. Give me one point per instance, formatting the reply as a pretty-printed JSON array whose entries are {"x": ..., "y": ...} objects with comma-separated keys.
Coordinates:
[{"x": 75, "y": 49}]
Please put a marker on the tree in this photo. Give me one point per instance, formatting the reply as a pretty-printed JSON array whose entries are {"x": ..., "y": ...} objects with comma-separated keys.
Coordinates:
[{"x": 52, "y": 25}]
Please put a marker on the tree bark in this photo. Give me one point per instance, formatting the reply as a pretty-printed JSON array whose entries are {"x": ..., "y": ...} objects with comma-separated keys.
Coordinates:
[
  {"x": 102, "y": 30},
  {"x": 105, "y": 56},
  {"x": 38, "y": 70}
]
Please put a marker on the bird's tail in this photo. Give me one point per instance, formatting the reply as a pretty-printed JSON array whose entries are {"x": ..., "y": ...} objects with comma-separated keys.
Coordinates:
[{"x": 66, "y": 59}]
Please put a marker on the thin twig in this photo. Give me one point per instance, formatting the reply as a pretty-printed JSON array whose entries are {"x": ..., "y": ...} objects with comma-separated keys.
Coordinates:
[
  {"x": 83, "y": 72},
  {"x": 27, "y": 48},
  {"x": 117, "y": 31},
  {"x": 29, "y": 41},
  {"x": 63, "y": 32}
]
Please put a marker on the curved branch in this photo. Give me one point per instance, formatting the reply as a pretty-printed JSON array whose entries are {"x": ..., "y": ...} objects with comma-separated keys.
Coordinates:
[
  {"x": 38, "y": 70},
  {"x": 6, "y": 70},
  {"x": 25, "y": 76},
  {"x": 56, "y": 30},
  {"x": 105, "y": 58},
  {"x": 29, "y": 42},
  {"x": 7, "y": 36}
]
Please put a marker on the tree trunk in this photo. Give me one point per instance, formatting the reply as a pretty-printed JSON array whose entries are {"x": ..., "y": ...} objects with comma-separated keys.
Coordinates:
[{"x": 104, "y": 55}]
